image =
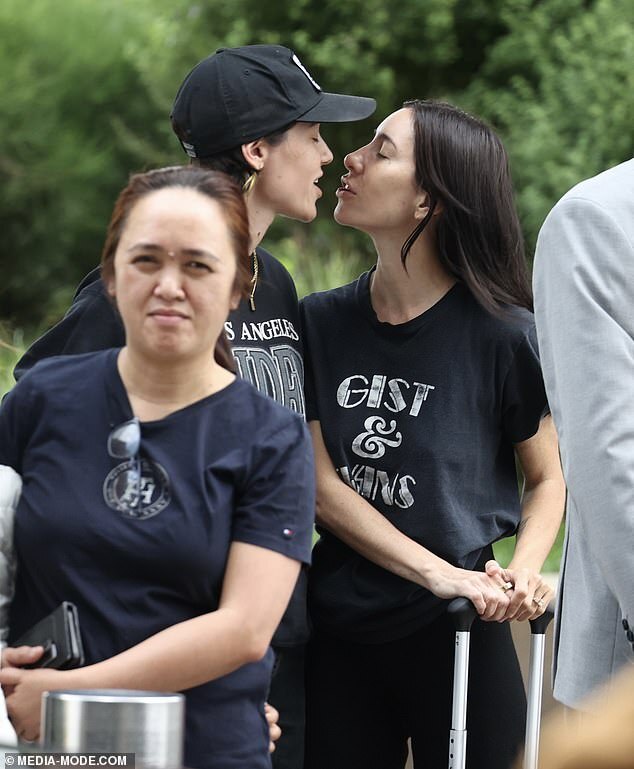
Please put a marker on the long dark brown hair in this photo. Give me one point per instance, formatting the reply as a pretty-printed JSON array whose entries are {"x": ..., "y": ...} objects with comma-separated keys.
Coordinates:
[
  {"x": 462, "y": 165},
  {"x": 216, "y": 186}
]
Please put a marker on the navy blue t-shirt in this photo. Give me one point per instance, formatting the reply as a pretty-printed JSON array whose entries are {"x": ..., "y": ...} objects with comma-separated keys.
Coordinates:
[
  {"x": 266, "y": 345},
  {"x": 419, "y": 418},
  {"x": 235, "y": 466}
]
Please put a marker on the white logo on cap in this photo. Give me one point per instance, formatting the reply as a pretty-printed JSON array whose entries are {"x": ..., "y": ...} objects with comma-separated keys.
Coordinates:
[
  {"x": 305, "y": 71},
  {"x": 189, "y": 149}
]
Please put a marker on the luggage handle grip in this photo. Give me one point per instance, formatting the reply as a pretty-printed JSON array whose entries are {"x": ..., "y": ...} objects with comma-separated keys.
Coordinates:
[
  {"x": 540, "y": 624},
  {"x": 462, "y": 613}
]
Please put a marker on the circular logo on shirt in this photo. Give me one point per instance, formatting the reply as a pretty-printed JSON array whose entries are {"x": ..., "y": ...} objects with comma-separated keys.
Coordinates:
[{"x": 137, "y": 488}]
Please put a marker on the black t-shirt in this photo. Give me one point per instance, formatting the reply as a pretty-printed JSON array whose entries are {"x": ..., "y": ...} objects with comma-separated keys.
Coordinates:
[
  {"x": 420, "y": 419},
  {"x": 138, "y": 556},
  {"x": 266, "y": 346},
  {"x": 265, "y": 341}
]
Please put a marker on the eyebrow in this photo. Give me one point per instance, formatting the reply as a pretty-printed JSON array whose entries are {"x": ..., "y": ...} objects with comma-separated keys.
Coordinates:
[
  {"x": 192, "y": 252},
  {"x": 384, "y": 137}
]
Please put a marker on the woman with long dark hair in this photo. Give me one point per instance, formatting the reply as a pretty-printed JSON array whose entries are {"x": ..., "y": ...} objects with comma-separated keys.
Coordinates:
[{"x": 423, "y": 388}]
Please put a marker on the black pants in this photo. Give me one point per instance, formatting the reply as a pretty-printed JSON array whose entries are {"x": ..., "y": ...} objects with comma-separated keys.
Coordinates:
[
  {"x": 287, "y": 695},
  {"x": 364, "y": 701}
]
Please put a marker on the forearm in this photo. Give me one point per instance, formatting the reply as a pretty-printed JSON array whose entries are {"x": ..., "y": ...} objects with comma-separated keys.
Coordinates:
[
  {"x": 256, "y": 590},
  {"x": 354, "y": 521},
  {"x": 182, "y": 656},
  {"x": 357, "y": 523},
  {"x": 543, "y": 498},
  {"x": 542, "y": 512}
]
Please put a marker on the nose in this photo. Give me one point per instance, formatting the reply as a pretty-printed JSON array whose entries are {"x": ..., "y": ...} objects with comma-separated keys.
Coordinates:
[
  {"x": 169, "y": 285},
  {"x": 353, "y": 161},
  {"x": 326, "y": 154}
]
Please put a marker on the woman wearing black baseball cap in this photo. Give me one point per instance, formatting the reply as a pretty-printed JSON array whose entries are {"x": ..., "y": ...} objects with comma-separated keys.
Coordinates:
[{"x": 254, "y": 113}]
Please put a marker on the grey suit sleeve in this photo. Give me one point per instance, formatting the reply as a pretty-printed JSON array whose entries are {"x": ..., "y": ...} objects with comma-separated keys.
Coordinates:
[{"x": 584, "y": 309}]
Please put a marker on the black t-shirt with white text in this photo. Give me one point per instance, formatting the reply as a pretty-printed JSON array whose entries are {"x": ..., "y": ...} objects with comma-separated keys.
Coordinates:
[
  {"x": 265, "y": 341},
  {"x": 420, "y": 419}
]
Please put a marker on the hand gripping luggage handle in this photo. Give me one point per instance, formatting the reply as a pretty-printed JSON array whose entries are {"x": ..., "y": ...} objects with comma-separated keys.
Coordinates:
[{"x": 462, "y": 613}]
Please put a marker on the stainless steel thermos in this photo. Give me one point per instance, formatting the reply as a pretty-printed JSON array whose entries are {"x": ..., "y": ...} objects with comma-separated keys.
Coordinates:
[{"x": 149, "y": 724}]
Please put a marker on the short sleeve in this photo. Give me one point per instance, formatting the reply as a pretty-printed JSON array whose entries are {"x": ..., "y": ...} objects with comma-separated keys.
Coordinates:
[
  {"x": 524, "y": 401},
  {"x": 276, "y": 507}
]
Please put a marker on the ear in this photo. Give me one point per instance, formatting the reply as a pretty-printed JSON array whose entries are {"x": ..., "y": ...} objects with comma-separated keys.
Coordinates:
[
  {"x": 235, "y": 299},
  {"x": 110, "y": 286},
  {"x": 422, "y": 206},
  {"x": 255, "y": 153}
]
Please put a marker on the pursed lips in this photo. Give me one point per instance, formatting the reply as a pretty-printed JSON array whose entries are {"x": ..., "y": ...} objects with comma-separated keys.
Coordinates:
[
  {"x": 345, "y": 186},
  {"x": 168, "y": 315}
]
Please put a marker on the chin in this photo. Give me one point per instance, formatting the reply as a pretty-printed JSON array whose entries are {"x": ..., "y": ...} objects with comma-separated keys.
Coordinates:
[
  {"x": 339, "y": 215},
  {"x": 299, "y": 211},
  {"x": 305, "y": 216}
]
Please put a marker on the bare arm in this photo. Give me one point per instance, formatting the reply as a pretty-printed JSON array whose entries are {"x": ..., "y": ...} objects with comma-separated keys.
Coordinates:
[
  {"x": 357, "y": 523},
  {"x": 542, "y": 510},
  {"x": 256, "y": 590}
]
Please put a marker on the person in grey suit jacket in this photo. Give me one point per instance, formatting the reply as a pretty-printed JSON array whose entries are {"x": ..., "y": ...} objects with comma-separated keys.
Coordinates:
[{"x": 583, "y": 282}]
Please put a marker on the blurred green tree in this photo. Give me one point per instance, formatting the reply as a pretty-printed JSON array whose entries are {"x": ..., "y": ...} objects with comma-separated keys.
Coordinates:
[
  {"x": 76, "y": 120},
  {"x": 560, "y": 88},
  {"x": 88, "y": 87}
]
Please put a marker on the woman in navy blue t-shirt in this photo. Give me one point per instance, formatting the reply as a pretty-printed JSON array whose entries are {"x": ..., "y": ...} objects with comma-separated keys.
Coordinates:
[
  {"x": 166, "y": 498},
  {"x": 423, "y": 386}
]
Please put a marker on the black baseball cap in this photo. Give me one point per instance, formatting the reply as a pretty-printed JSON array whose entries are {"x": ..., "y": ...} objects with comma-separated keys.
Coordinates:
[{"x": 237, "y": 95}]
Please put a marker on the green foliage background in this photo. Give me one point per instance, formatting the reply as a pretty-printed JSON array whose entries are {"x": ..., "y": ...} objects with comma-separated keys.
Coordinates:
[{"x": 87, "y": 89}]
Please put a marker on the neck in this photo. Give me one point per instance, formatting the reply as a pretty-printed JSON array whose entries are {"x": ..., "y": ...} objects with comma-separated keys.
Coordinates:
[
  {"x": 156, "y": 388},
  {"x": 400, "y": 294},
  {"x": 260, "y": 219}
]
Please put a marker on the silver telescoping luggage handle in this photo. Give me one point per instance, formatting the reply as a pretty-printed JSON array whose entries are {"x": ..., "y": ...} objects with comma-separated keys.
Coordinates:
[{"x": 462, "y": 613}]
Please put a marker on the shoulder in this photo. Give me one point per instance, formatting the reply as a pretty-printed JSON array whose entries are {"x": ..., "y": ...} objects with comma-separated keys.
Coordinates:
[
  {"x": 607, "y": 188},
  {"x": 260, "y": 410},
  {"x": 590, "y": 228},
  {"x": 510, "y": 327},
  {"x": 608, "y": 195},
  {"x": 93, "y": 294},
  {"x": 71, "y": 372},
  {"x": 89, "y": 280},
  {"x": 262, "y": 420},
  {"x": 61, "y": 382},
  {"x": 333, "y": 298}
]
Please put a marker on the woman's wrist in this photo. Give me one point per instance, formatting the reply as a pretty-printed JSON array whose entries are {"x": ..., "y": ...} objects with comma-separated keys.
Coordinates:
[
  {"x": 532, "y": 564},
  {"x": 431, "y": 568}
]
